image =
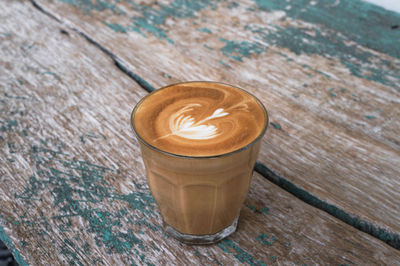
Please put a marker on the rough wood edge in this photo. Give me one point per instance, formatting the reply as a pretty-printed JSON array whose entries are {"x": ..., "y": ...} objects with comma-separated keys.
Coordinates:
[
  {"x": 364, "y": 225},
  {"x": 8, "y": 242}
]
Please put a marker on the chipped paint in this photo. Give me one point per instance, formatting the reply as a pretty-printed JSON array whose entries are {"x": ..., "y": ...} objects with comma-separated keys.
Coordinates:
[
  {"x": 237, "y": 50},
  {"x": 73, "y": 185},
  {"x": 342, "y": 37},
  {"x": 8, "y": 242},
  {"x": 230, "y": 246}
]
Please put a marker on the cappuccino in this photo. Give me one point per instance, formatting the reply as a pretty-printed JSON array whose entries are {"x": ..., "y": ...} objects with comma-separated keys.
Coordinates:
[{"x": 199, "y": 143}]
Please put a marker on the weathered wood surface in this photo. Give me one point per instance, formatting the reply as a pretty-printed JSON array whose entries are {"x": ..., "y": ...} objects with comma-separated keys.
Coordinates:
[
  {"x": 327, "y": 71},
  {"x": 72, "y": 183}
]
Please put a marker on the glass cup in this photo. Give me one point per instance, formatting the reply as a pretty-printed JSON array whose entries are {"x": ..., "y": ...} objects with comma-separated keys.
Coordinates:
[{"x": 199, "y": 197}]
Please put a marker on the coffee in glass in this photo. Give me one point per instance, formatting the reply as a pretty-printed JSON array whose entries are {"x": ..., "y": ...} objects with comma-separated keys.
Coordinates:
[{"x": 199, "y": 143}]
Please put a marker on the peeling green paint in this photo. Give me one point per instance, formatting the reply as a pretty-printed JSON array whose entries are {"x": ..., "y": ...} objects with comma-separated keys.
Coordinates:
[
  {"x": 239, "y": 49},
  {"x": 253, "y": 208},
  {"x": 360, "y": 63},
  {"x": 206, "y": 30},
  {"x": 276, "y": 125},
  {"x": 116, "y": 27},
  {"x": 6, "y": 34},
  {"x": 366, "y": 24},
  {"x": 313, "y": 69},
  {"x": 266, "y": 240},
  {"x": 229, "y": 246},
  {"x": 73, "y": 184},
  {"x": 89, "y": 6},
  {"x": 265, "y": 210},
  {"x": 152, "y": 18},
  {"x": 8, "y": 125},
  {"x": 48, "y": 73},
  {"x": 224, "y": 64},
  {"x": 233, "y": 5},
  {"x": 208, "y": 47},
  {"x": 331, "y": 93},
  {"x": 329, "y": 35},
  {"x": 15, "y": 97},
  {"x": 8, "y": 242}
]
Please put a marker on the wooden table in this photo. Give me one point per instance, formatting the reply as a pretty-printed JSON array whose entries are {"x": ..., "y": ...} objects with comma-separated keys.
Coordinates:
[{"x": 326, "y": 189}]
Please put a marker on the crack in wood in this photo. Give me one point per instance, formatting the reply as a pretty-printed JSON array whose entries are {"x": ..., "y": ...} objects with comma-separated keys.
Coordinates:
[{"x": 119, "y": 63}]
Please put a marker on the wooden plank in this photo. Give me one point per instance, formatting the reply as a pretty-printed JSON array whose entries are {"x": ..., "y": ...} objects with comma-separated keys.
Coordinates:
[
  {"x": 332, "y": 90},
  {"x": 72, "y": 183}
]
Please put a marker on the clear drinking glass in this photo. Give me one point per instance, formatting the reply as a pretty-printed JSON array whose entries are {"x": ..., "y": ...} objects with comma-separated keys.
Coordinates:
[{"x": 199, "y": 197}]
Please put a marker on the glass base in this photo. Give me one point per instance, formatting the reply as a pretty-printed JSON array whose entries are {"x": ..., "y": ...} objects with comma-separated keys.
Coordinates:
[{"x": 202, "y": 239}]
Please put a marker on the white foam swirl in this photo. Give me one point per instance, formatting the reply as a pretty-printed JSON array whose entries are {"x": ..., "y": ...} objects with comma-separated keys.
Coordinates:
[{"x": 185, "y": 126}]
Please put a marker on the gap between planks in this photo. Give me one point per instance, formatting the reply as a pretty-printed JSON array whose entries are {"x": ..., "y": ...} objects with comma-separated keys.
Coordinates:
[{"x": 365, "y": 226}]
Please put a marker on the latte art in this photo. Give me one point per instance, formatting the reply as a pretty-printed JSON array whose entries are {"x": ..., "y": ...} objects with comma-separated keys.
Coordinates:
[
  {"x": 199, "y": 119},
  {"x": 186, "y": 126}
]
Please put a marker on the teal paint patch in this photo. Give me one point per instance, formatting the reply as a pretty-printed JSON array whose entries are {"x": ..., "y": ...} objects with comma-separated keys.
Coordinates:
[
  {"x": 253, "y": 208},
  {"x": 231, "y": 247},
  {"x": 73, "y": 184},
  {"x": 370, "y": 117},
  {"x": 265, "y": 210},
  {"x": 354, "y": 20},
  {"x": 208, "y": 47},
  {"x": 237, "y": 50},
  {"x": 116, "y": 27},
  {"x": 276, "y": 125},
  {"x": 90, "y": 136},
  {"x": 383, "y": 234},
  {"x": 8, "y": 125},
  {"x": 367, "y": 24},
  {"x": 15, "y": 97},
  {"x": 88, "y": 6},
  {"x": 6, "y": 34},
  {"x": 11, "y": 147},
  {"x": 206, "y": 30},
  {"x": 224, "y": 64},
  {"x": 266, "y": 240},
  {"x": 48, "y": 73},
  {"x": 310, "y": 68},
  {"x": 151, "y": 19},
  {"x": 331, "y": 93},
  {"x": 233, "y": 5},
  {"x": 8, "y": 242}
]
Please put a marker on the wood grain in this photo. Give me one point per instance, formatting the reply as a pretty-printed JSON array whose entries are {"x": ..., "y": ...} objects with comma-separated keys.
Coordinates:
[
  {"x": 331, "y": 90},
  {"x": 72, "y": 183}
]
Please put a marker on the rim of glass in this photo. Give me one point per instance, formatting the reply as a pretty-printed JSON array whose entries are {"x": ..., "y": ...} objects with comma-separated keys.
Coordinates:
[{"x": 194, "y": 156}]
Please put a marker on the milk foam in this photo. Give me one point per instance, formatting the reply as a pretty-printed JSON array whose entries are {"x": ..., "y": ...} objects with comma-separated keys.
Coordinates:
[
  {"x": 199, "y": 118},
  {"x": 185, "y": 126}
]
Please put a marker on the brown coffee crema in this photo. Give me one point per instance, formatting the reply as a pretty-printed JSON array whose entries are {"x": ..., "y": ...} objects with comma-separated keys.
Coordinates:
[{"x": 199, "y": 119}]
